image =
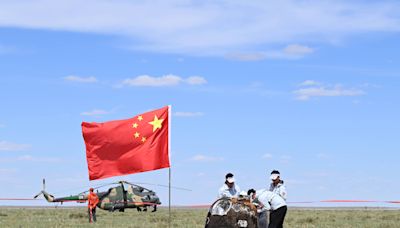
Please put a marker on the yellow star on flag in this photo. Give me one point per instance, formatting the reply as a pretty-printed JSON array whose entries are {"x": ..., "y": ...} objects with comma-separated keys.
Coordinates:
[
  {"x": 137, "y": 135},
  {"x": 140, "y": 118},
  {"x": 156, "y": 123},
  {"x": 143, "y": 139},
  {"x": 135, "y": 125}
]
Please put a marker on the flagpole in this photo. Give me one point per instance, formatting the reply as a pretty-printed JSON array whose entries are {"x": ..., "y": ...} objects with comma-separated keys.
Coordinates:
[
  {"x": 169, "y": 197},
  {"x": 169, "y": 169}
]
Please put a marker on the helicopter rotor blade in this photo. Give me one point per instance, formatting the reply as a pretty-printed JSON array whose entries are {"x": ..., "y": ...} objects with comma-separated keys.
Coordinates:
[
  {"x": 37, "y": 195},
  {"x": 126, "y": 182},
  {"x": 75, "y": 189},
  {"x": 43, "y": 189},
  {"x": 160, "y": 185},
  {"x": 100, "y": 186}
]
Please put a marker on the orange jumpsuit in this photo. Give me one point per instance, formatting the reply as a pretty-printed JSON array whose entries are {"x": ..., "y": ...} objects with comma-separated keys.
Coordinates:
[{"x": 93, "y": 200}]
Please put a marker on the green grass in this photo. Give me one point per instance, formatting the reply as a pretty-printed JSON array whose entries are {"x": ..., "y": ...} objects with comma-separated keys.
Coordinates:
[
  {"x": 77, "y": 217},
  {"x": 362, "y": 218},
  {"x": 182, "y": 217}
]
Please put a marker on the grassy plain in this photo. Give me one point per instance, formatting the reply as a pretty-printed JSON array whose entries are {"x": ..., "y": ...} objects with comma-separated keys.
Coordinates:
[{"x": 185, "y": 217}]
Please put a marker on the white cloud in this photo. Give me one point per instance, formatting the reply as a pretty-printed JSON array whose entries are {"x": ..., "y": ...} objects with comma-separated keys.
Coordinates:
[
  {"x": 309, "y": 83},
  {"x": 298, "y": 50},
  {"x": 74, "y": 78},
  {"x": 315, "y": 89},
  {"x": 255, "y": 56},
  {"x": 335, "y": 91},
  {"x": 267, "y": 156},
  {"x": 38, "y": 159},
  {"x": 195, "y": 80},
  {"x": 166, "y": 80},
  {"x": 207, "y": 27},
  {"x": 145, "y": 80},
  {"x": 95, "y": 112},
  {"x": 9, "y": 146},
  {"x": 292, "y": 51},
  {"x": 188, "y": 114},
  {"x": 203, "y": 158}
]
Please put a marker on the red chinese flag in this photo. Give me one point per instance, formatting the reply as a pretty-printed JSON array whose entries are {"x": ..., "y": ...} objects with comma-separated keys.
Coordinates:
[{"x": 128, "y": 146}]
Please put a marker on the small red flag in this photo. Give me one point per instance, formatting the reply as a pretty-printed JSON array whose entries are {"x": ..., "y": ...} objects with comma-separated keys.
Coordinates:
[{"x": 128, "y": 146}]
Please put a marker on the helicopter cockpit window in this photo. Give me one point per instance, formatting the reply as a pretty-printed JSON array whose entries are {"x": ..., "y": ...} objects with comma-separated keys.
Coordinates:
[{"x": 138, "y": 189}]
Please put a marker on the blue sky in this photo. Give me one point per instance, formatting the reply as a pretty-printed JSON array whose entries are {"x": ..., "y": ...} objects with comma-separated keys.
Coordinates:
[{"x": 310, "y": 89}]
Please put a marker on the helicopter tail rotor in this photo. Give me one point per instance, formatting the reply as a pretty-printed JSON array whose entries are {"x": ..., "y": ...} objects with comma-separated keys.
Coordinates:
[
  {"x": 43, "y": 190},
  {"x": 46, "y": 195},
  {"x": 37, "y": 195}
]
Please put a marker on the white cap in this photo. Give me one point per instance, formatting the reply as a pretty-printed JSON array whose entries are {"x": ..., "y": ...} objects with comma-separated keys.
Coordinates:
[
  {"x": 230, "y": 180},
  {"x": 274, "y": 176}
]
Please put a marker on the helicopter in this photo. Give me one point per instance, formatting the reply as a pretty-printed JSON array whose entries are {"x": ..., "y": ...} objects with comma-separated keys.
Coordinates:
[{"x": 120, "y": 197}]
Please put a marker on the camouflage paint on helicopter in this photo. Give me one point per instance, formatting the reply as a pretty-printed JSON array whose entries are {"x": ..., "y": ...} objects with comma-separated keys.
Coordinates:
[{"x": 124, "y": 195}]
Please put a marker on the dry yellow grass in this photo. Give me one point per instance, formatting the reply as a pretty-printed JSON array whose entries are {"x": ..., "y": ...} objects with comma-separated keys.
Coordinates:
[{"x": 183, "y": 217}]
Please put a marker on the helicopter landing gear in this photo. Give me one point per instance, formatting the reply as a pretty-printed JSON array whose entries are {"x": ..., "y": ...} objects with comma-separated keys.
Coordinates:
[{"x": 154, "y": 208}]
